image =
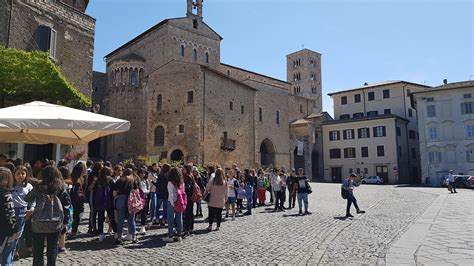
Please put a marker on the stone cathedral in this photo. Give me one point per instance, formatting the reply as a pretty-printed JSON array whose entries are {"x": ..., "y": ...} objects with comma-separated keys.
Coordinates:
[{"x": 185, "y": 104}]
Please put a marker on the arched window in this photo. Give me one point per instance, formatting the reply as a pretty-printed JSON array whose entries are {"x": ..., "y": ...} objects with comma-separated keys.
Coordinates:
[
  {"x": 182, "y": 50},
  {"x": 133, "y": 78},
  {"x": 159, "y": 136},
  {"x": 195, "y": 53},
  {"x": 207, "y": 58},
  {"x": 159, "y": 102}
]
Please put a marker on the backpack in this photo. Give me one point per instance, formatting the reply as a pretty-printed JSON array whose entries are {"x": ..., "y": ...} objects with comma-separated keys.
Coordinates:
[
  {"x": 182, "y": 199},
  {"x": 344, "y": 193},
  {"x": 136, "y": 201},
  {"x": 197, "y": 195},
  {"x": 102, "y": 195},
  {"x": 48, "y": 215}
]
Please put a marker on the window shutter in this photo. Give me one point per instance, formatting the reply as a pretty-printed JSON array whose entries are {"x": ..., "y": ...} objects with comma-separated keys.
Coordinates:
[
  {"x": 330, "y": 136},
  {"x": 375, "y": 131},
  {"x": 345, "y": 153},
  {"x": 383, "y": 131},
  {"x": 359, "y": 132},
  {"x": 353, "y": 133},
  {"x": 338, "y": 135},
  {"x": 368, "y": 132},
  {"x": 42, "y": 38},
  {"x": 344, "y": 134}
]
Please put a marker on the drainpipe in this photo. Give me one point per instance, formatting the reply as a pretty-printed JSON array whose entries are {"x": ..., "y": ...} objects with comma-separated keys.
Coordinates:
[{"x": 406, "y": 131}]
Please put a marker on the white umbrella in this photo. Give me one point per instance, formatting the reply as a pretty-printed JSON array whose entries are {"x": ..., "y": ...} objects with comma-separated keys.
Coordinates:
[{"x": 42, "y": 123}]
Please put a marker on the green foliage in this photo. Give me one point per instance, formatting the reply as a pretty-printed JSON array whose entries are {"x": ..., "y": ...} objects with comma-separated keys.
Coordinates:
[{"x": 32, "y": 76}]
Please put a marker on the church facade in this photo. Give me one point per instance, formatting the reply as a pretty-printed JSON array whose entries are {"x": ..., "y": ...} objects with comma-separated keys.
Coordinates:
[{"x": 185, "y": 104}]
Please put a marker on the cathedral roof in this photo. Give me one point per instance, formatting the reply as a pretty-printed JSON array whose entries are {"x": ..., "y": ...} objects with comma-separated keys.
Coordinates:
[{"x": 157, "y": 26}]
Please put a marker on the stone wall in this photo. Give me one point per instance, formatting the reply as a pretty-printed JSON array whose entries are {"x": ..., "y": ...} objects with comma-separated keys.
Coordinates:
[
  {"x": 74, "y": 42},
  {"x": 219, "y": 92},
  {"x": 5, "y": 8}
]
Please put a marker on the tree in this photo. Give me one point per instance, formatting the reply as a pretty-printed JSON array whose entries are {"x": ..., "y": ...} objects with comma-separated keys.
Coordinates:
[{"x": 32, "y": 76}]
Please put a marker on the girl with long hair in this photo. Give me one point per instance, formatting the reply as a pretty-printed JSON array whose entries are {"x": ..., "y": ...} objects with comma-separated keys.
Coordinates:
[{"x": 217, "y": 188}]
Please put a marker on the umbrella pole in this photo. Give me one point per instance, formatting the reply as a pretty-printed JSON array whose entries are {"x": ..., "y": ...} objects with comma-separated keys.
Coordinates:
[{"x": 57, "y": 156}]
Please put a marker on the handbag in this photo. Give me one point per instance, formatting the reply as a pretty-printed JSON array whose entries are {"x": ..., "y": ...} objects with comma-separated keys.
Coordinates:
[
  {"x": 207, "y": 197},
  {"x": 309, "y": 188}
]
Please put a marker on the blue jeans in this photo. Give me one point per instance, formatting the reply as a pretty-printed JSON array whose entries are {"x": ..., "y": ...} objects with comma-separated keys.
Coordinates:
[
  {"x": 10, "y": 248},
  {"x": 302, "y": 198},
  {"x": 174, "y": 217},
  {"x": 154, "y": 211},
  {"x": 351, "y": 199},
  {"x": 121, "y": 204},
  {"x": 163, "y": 213}
]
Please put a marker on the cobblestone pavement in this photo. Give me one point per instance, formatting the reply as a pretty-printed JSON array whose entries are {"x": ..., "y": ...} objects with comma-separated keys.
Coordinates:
[
  {"x": 283, "y": 237},
  {"x": 443, "y": 235}
]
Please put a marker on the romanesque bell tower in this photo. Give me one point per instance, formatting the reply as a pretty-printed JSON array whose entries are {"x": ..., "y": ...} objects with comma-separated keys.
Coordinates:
[
  {"x": 304, "y": 74},
  {"x": 194, "y": 5}
]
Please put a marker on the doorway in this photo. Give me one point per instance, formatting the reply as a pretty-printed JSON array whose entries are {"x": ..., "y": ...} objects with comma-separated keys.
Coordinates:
[
  {"x": 267, "y": 153},
  {"x": 382, "y": 171}
]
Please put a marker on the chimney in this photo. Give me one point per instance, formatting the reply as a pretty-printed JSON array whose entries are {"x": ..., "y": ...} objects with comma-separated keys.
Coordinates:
[
  {"x": 365, "y": 84},
  {"x": 445, "y": 81}
]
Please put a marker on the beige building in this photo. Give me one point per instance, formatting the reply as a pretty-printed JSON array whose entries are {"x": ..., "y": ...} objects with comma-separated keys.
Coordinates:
[
  {"x": 446, "y": 124},
  {"x": 184, "y": 104},
  {"x": 375, "y": 133}
]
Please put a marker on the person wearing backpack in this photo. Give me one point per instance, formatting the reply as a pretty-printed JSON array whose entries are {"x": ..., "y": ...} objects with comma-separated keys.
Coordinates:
[
  {"x": 122, "y": 190},
  {"x": 189, "y": 187},
  {"x": 177, "y": 202},
  {"x": 8, "y": 221},
  {"x": 248, "y": 191},
  {"x": 51, "y": 214},
  {"x": 349, "y": 184},
  {"x": 78, "y": 175},
  {"x": 103, "y": 200},
  {"x": 91, "y": 180},
  {"x": 145, "y": 186},
  {"x": 200, "y": 182}
]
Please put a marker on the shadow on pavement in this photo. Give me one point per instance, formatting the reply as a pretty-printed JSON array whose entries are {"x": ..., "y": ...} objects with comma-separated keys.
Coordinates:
[
  {"x": 292, "y": 215},
  {"x": 341, "y": 218},
  {"x": 93, "y": 244}
]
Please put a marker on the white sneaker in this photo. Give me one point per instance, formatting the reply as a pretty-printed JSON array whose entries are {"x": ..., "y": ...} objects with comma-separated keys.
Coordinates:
[
  {"x": 129, "y": 237},
  {"x": 143, "y": 231},
  {"x": 179, "y": 239},
  {"x": 168, "y": 239},
  {"x": 101, "y": 237}
]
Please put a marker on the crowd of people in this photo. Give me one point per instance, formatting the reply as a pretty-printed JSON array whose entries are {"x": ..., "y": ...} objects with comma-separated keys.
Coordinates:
[{"x": 47, "y": 201}]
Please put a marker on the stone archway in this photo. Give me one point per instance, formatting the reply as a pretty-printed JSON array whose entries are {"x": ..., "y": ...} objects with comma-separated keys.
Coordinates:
[
  {"x": 177, "y": 155},
  {"x": 267, "y": 153}
]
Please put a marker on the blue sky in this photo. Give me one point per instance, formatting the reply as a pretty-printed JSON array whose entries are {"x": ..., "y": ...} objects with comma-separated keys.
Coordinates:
[{"x": 361, "y": 41}]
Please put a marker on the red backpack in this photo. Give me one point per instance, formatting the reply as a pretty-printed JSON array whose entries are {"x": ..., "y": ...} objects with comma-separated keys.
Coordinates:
[
  {"x": 136, "y": 201},
  {"x": 197, "y": 194},
  {"x": 182, "y": 199}
]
